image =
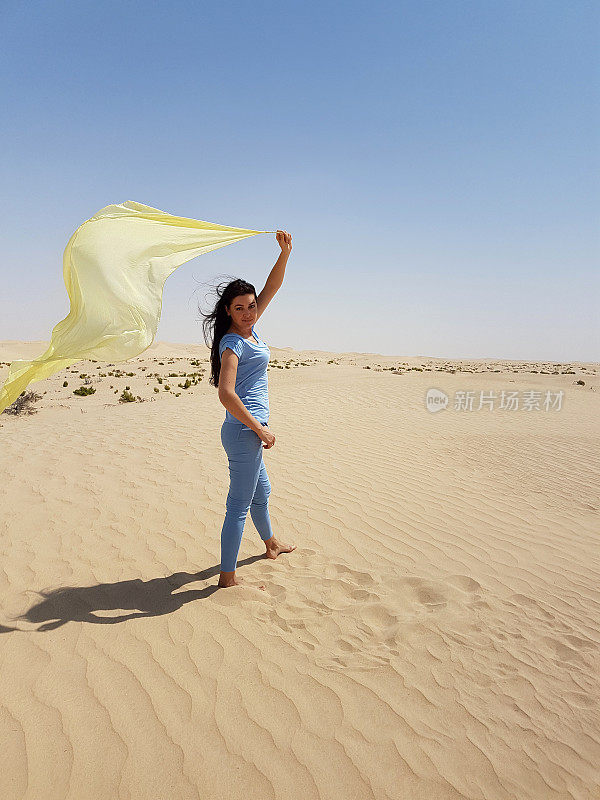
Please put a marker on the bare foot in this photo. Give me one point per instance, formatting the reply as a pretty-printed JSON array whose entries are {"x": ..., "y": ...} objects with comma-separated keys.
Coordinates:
[
  {"x": 229, "y": 579},
  {"x": 274, "y": 548}
]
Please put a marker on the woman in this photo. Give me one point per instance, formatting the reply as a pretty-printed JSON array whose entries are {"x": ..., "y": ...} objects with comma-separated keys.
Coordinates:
[{"x": 239, "y": 359}]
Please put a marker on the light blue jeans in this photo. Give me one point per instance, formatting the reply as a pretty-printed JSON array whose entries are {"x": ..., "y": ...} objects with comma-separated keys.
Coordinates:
[{"x": 249, "y": 489}]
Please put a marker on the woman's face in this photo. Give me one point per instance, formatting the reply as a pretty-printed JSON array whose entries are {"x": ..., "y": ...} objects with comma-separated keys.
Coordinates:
[{"x": 243, "y": 310}]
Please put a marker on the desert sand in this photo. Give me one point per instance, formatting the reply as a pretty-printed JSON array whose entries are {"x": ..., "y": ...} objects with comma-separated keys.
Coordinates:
[{"x": 434, "y": 636}]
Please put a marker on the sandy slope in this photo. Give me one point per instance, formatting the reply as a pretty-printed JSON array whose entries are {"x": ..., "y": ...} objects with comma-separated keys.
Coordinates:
[{"x": 435, "y": 635}]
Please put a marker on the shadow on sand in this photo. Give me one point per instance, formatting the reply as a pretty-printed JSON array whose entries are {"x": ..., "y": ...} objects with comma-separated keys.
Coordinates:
[{"x": 146, "y": 599}]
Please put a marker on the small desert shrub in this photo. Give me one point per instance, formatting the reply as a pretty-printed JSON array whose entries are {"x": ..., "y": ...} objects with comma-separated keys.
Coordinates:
[
  {"x": 66, "y": 383},
  {"x": 23, "y": 404},
  {"x": 126, "y": 397},
  {"x": 84, "y": 390}
]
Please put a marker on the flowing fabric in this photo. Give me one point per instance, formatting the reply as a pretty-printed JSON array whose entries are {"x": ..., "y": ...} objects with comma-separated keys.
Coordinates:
[{"x": 115, "y": 266}]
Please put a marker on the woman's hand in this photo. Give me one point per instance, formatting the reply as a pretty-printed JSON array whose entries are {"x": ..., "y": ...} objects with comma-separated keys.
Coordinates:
[
  {"x": 267, "y": 437},
  {"x": 285, "y": 241}
]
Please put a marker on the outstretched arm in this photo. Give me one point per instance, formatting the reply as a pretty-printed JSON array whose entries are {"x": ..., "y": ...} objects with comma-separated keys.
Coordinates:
[{"x": 277, "y": 274}]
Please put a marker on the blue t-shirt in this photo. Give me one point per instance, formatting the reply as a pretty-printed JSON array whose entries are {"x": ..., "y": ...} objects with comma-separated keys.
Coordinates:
[{"x": 251, "y": 383}]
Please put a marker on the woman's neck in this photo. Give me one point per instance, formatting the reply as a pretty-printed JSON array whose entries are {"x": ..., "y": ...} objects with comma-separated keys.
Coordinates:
[{"x": 243, "y": 334}]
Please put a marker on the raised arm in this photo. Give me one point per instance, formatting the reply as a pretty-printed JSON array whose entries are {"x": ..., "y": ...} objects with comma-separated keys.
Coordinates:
[{"x": 275, "y": 279}]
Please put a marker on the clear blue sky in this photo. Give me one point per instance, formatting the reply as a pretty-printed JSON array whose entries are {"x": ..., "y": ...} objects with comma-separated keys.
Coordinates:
[{"x": 437, "y": 163}]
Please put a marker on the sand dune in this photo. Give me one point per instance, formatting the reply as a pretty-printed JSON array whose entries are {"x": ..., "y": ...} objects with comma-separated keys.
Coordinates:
[{"x": 434, "y": 636}]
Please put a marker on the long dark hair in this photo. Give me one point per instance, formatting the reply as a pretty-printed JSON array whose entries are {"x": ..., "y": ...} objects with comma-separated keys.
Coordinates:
[{"x": 217, "y": 322}]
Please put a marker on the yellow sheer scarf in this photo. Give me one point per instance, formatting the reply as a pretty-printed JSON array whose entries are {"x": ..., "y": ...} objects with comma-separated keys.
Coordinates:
[{"x": 114, "y": 267}]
